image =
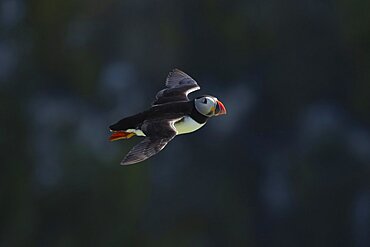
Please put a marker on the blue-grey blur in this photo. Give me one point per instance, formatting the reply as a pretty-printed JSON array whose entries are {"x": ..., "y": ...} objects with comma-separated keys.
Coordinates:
[{"x": 289, "y": 165}]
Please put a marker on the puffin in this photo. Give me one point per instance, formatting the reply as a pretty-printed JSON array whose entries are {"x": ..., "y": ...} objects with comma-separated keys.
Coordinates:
[{"x": 172, "y": 113}]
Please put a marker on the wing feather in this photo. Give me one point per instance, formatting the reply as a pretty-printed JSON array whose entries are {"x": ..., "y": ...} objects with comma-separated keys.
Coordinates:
[
  {"x": 178, "y": 86},
  {"x": 158, "y": 134},
  {"x": 144, "y": 150},
  {"x": 178, "y": 78}
]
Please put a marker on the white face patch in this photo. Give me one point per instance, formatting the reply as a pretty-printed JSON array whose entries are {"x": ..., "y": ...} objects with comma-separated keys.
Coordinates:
[{"x": 206, "y": 105}]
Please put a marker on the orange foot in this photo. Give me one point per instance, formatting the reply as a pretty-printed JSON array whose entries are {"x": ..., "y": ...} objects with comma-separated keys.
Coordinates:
[{"x": 118, "y": 135}]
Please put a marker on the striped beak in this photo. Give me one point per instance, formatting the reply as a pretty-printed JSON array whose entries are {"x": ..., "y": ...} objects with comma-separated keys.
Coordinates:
[{"x": 220, "y": 109}]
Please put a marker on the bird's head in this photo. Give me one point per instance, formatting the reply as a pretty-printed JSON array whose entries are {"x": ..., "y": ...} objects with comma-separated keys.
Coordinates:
[{"x": 209, "y": 106}]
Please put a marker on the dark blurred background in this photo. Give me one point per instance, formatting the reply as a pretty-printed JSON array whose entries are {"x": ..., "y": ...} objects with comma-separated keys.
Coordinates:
[{"x": 288, "y": 166}]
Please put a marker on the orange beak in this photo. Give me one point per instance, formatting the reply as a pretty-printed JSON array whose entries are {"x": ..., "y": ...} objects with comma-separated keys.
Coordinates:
[{"x": 220, "y": 109}]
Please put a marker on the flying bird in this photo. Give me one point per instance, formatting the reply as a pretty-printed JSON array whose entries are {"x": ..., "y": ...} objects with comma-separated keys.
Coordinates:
[{"x": 171, "y": 114}]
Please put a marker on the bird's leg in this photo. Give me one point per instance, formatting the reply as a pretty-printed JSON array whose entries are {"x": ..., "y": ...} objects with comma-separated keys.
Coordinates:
[{"x": 118, "y": 135}]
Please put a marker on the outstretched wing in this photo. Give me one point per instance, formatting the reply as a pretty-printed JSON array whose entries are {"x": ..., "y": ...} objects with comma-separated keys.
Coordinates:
[
  {"x": 158, "y": 133},
  {"x": 179, "y": 85}
]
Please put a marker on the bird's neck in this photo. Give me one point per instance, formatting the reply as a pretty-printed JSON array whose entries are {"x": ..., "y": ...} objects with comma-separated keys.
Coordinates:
[{"x": 198, "y": 117}]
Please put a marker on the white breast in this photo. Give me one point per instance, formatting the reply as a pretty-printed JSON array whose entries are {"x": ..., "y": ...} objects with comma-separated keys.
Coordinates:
[{"x": 187, "y": 125}]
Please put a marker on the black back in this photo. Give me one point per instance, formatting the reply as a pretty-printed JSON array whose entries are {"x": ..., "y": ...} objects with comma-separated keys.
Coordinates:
[
  {"x": 171, "y": 110},
  {"x": 129, "y": 122}
]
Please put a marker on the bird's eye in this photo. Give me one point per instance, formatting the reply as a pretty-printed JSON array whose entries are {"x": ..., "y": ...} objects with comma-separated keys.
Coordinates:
[{"x": 205, "y": 101}]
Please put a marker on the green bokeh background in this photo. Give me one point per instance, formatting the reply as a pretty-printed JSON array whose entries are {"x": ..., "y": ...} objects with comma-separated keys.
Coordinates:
[{"x": 288, "y": 166}]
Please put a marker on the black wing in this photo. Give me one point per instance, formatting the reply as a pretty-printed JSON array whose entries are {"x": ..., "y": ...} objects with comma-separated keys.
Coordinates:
[
  {"x": 158, "y": 133},
  {"x": 179, "y": 85}
]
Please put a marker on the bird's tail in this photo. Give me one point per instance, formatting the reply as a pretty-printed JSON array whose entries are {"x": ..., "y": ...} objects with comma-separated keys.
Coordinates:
[{"x": 118, "y": 135}]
